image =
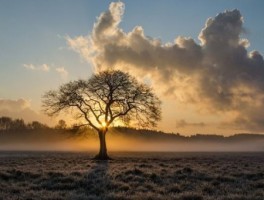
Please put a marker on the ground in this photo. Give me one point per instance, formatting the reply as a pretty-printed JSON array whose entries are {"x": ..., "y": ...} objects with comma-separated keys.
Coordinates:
[{"x": 186, "y": 176}]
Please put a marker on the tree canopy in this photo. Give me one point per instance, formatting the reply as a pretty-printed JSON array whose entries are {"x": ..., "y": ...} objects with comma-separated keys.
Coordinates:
[{"x": 106, "y": 97}]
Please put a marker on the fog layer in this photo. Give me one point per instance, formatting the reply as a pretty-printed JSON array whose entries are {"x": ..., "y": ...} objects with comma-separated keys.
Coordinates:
[{"x": 130, "y": 141}]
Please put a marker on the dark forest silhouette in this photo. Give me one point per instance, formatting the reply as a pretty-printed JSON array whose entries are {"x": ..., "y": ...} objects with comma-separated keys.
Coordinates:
[
  {"x": 19, "y": 127},
  {"x": 8, "y": 124}
]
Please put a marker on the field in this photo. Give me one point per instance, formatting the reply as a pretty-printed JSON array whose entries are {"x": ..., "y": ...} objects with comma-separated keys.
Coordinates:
[{"x": 186, "y": 176}]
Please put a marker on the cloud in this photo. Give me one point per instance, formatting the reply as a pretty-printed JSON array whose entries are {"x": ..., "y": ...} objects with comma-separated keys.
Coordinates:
[
  {"x": 21, "y": 109},
  {"x": 182, "y": 124},
  {"x": 20, "y": 104},
  {"x": 43, "y": 67},
  {"x": 62, "y": 71},
  {"x": 218, "y": 74},
  {"x": 46, "y": 68},
  {"x": 29, "y": 66}
]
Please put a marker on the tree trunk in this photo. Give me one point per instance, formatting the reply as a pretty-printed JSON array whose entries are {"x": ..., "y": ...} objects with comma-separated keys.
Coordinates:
[{"x": 102, "y": 155}]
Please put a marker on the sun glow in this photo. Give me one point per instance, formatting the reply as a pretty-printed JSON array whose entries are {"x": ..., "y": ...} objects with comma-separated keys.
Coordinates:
[{"x": 103, "y": 124}]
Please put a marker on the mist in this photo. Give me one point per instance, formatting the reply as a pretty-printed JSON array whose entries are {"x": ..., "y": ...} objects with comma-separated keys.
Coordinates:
[{"x": 126, "y": 141}]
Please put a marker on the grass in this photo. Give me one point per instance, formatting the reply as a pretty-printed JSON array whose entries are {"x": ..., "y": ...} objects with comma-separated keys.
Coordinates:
[{"x": 184, "y": 176}]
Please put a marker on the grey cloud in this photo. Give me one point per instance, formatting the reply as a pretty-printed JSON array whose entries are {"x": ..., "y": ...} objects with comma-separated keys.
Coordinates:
[
  {"x": 20, "y": 104},
  {"x": 21, "y": 109},
  {"x": 182, "y": 124},
  {"x": 218, "y": 74}
]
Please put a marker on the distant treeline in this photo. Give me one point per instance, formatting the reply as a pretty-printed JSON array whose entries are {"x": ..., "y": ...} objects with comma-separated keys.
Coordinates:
[
  {"x": 18, "y": 126},
  {"x": 159, "y": 135},
  {"x": 8, "y": 124}
]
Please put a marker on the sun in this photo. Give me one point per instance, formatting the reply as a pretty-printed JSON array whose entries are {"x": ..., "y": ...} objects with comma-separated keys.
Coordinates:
[{"x": 103, "y": 124}]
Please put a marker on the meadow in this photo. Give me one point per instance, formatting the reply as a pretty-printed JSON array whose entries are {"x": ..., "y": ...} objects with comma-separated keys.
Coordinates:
[{"x": 137, "y": 175}]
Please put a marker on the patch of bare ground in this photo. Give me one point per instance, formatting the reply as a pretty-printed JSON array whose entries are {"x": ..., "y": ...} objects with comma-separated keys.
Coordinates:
[{"x": 183, "y": 176}]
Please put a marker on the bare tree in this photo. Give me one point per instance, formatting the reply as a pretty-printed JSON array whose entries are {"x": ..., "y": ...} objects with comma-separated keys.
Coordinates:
[
  {"x": 61, "y": 124},
  {"x": 5, "y": 123},
  {"x": 106, "y": 97}
]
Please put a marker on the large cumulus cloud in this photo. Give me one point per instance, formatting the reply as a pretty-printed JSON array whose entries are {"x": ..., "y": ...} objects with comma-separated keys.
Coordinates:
[{"x": 217, "y": 74}]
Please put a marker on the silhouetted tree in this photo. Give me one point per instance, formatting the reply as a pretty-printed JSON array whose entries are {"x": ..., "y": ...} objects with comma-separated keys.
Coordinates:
[
  {"x": 18, "y": 124},
  {"x": 61, "y": 124},
  {"x": 35, "y": 125},
  {"x": 104, "y": 98},
  {"x": 5, "y": 123}
]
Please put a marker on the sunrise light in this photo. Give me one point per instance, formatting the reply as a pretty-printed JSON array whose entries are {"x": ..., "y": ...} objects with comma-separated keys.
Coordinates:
[{"x": 104, "y": 124}]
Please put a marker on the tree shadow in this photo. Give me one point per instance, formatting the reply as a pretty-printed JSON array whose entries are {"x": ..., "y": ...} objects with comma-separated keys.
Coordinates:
[{"x": 97, "y": 182}]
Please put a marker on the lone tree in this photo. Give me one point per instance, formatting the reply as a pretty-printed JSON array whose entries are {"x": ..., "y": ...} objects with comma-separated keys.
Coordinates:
[{"x": 106, "y": 97}]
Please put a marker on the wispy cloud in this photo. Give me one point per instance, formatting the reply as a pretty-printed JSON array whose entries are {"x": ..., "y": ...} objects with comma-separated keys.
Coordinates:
[
  {"x": 29, "y": 66},
  {"x": 43, "y": 67},
  {"x": 47, "y": 68},
  {"x": 62, "y": 71}
]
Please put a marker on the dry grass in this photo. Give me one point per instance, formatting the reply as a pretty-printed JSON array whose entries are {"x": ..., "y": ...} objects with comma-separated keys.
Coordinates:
[{"x": 186, "y": 176}]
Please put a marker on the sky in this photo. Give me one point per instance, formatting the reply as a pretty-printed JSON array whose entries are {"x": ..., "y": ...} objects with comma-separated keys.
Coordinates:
[{"x": 204, "y": 59}]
